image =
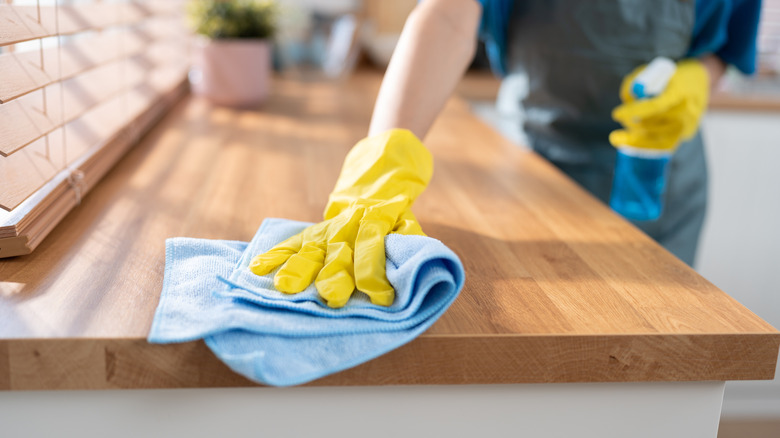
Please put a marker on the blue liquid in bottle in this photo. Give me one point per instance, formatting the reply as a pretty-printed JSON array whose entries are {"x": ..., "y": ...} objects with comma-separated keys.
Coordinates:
[
  {"x": 640, "y": 174},
  {"x": 638, "y": 186}
]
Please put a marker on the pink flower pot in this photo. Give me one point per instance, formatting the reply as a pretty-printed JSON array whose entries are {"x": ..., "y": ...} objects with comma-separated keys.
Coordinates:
[{"x": 232, "y": 72}]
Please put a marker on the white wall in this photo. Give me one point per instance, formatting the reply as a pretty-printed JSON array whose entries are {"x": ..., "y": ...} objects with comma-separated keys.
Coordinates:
[{"x": 740, "y": 246}]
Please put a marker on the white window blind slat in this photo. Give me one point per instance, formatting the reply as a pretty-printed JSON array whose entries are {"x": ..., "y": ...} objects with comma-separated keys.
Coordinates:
[
  {"x": 27, "y": 119},
  {"x": 24, "y": 23},
  {"x": 65, "y": 101},
  {"x": 73, "y": 101},
  {"x": 25, "y": 72},
  {"x": 26, "y": 171},
  {"x": 32, "y": 116}
]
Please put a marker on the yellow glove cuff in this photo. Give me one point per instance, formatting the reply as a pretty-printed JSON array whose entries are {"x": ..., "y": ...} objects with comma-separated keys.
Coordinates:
[{"x": 382, "y": 167}]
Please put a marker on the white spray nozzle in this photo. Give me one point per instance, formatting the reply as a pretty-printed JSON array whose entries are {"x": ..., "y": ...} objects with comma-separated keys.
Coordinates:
[{"x": 653, "y": 79}]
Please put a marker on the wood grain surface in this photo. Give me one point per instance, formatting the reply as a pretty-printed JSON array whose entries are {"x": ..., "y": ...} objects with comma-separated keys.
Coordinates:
[
  {"x": 746, "y": 102},
  {"x": 559, "y": 289}
]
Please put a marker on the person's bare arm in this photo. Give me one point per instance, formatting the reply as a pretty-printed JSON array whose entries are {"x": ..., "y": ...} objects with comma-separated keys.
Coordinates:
[
  {"x": 436, "y": 46},
  {"x": 715, "y": 67}
]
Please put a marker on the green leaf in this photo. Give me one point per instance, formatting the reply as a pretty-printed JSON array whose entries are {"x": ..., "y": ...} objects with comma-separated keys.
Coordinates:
[{"x": 233, "y": 18}]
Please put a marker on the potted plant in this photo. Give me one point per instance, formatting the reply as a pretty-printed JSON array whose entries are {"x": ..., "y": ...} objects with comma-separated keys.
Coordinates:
[{"x": 233, "y": 55}]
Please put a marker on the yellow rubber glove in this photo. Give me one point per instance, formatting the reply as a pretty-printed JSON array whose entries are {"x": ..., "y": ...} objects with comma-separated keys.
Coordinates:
[
  {"x": 381, "y": 177},
  {"x": 663, "y": 121}
]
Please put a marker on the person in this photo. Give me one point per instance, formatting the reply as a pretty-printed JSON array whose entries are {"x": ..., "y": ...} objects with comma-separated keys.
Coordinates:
[{"x": 576, "y": 60}]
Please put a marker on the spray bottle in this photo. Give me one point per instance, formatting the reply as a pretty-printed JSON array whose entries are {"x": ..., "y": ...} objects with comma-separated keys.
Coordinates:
[{"x": 640, "y": 173}]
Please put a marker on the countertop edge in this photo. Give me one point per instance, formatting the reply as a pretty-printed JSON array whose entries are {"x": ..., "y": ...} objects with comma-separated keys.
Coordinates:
[{"x": 75, "y": 364}]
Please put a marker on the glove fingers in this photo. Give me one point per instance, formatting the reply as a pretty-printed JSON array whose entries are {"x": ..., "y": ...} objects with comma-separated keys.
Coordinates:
[
  {"x": 658, "y": 128},
  {"x": 335, "y": 282},
  {"x": 345, "y": 226},
  {"x": 300, "y": 269},
  {"x": 644, "y": 108},
  {"x": 624, "y": 137},
  {"x": 665, "y": 138},
  {"x": 370, "y": 276},
  {"x": 678, "y": 123},
  {"x": 686, "y": 120},
  {"x": 276, "y": 256}
]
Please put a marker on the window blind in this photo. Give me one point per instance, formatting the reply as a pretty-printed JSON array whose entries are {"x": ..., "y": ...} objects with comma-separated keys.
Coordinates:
[
  {"x": 80, "y": 81},
  {"x": 769, "y": 37}
]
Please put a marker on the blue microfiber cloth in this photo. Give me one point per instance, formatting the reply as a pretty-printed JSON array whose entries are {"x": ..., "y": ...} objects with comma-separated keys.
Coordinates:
[{"x": 280, "y": 339}]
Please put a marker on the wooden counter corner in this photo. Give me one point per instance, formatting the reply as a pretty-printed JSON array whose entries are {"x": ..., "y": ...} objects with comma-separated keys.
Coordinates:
[{"x": 559, "y": 289}]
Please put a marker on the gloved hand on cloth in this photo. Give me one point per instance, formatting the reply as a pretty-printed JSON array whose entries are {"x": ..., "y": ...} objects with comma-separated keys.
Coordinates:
[
  {"x": 663, "y": 121},
  {"x": 381, "y": 177}
]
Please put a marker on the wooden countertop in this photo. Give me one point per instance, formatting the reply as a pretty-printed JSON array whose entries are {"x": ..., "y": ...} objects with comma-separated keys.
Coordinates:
[
  {"x": 558, "y": 289},
  {"x": 746, "y": 102},
  {"x": 484, "y": 86}
]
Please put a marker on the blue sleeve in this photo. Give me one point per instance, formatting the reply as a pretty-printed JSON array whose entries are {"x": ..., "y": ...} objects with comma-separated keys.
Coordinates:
[
  {"x": 493, "y": 32},
  {"x": 728, "y": 29}
]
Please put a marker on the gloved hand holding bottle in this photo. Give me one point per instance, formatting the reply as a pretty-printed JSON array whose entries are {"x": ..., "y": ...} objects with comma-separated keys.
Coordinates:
[
  {"x": 381, "y": 177},
  {"x": 654, "y": 122}
]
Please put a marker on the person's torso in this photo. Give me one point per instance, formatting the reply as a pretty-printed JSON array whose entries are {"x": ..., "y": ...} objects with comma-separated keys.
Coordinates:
[{"x": 573, "y": 55}]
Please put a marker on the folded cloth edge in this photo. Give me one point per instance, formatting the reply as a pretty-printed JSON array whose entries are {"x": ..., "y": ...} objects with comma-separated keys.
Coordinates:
[{"x": 410, "y": 332}]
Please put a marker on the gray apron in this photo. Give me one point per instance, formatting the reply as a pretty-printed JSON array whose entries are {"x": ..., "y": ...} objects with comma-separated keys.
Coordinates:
[{"x": 572, "y": 56}]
